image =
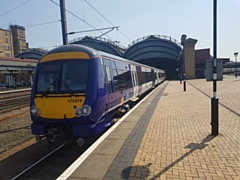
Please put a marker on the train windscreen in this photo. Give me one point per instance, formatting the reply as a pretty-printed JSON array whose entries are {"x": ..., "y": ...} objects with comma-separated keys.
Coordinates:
[{"x": 60, "y": 77}]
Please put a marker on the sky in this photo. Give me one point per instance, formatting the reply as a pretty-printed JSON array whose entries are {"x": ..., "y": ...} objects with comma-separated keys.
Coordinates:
[{"x": 135, "y": 18}]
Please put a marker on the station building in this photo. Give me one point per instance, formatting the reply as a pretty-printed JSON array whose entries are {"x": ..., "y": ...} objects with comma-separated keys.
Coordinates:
[
  {"x": 160, "y": 51},
  {"x": 16, "y": 70},
  {"x": 17, "y": 61}
]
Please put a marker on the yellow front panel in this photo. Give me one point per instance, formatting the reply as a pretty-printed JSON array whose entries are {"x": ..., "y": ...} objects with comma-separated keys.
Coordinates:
[{"x": 58, "y": 107}]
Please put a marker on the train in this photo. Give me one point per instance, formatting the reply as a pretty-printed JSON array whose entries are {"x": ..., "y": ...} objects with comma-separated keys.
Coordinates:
[{"x": 77, "y": 91}]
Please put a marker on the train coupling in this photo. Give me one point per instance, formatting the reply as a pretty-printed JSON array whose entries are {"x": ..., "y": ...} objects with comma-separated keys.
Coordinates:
[
  {"x": 51, "y": 137},
  {"x": 39, "y": 138}
]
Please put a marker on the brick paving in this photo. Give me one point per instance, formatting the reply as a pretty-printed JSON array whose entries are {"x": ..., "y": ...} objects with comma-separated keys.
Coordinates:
[
  {"x": 178, "y": 143},
  {"x": 169, "y": 137}
]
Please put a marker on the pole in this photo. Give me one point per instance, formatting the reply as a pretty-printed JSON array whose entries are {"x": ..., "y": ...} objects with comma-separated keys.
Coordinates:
[
  {"x": 183, "y": 39},
  {"x": 235, "y": 66},
  {"x": 214, "y": 101},
  {"x": 180, "y": 71},
  {"x": 63, "y": 22},
  {"x": 235, "y": 54},
  {"x": 184, "y": 78}
]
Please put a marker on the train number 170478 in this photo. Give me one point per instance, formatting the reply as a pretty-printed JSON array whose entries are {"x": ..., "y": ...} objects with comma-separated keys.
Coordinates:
[{"x": 74, "y": 100}]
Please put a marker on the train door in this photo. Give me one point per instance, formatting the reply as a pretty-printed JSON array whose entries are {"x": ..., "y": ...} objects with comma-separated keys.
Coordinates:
[
  {"x": 108, "y": 75},
  {"x": 134, "y": 81},
  {"x": 153, "y": 77},
  {"x": 158, "y": 76}
]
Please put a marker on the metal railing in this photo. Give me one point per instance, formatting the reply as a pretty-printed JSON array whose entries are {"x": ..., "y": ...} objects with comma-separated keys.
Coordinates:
[
  {"x": 157, "y": 36},
  {"x": 115, "y": 43}
]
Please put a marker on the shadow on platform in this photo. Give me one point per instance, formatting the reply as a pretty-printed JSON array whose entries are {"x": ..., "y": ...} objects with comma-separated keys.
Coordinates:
[{"x": 145, "y": 169}]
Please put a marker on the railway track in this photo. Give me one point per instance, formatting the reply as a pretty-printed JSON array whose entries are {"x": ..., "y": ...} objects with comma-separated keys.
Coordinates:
[
  {"x": 13, "y": 100},
  {"x": 42, "y": 166},
  {"x": 27, "y": 172},
  {"x": 54, "y": 163}
]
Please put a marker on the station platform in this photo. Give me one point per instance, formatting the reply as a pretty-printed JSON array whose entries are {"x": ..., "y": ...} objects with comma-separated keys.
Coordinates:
[{"x": 168, "y": 136}]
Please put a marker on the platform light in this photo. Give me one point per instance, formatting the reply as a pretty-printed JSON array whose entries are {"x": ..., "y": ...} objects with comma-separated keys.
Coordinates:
[{"x": 183, "y": 40}]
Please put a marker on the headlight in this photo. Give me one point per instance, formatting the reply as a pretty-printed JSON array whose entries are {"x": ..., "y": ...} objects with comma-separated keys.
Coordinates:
[
  {"x": 34, "y": 110},
  {"x": 85, "y": 110}
]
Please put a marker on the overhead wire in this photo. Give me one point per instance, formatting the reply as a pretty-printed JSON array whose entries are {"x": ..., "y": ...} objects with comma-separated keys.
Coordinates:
[
  {"x": 28, "y": 25},
  {"x": 14, "y": 8},
  {"x": 42, "y": 23},
  {"x": 106, "y": 19},
  {"x": 99, "y": 12},
  {"x": 78, "y": 17}
]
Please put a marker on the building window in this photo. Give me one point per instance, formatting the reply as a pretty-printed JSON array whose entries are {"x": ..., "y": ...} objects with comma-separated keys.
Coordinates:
[
  {"x": 6, "y": 40},
  {"x": 5, "y": 33},
  {"x": 6, "y": 54},
  {"x": 6, "y": 47}
]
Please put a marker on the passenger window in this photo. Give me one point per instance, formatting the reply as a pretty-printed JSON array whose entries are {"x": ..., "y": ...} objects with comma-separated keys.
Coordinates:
[{"x": 109, "y": 79}]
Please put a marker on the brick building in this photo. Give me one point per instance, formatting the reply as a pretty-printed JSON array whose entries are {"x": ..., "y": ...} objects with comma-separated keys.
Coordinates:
[
  {"x": 19, "y": 39},
  {"x": 6, "y": 43},
  {"x": 13, "y": 41},
  {"x": 189, "y": 58},
  {"x": 201, "y": 55}
]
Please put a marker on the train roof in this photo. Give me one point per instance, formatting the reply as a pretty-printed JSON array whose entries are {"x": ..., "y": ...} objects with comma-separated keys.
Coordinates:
[
  {"x": 91, "y": 53},
  {"x": 73, "y": 48}
]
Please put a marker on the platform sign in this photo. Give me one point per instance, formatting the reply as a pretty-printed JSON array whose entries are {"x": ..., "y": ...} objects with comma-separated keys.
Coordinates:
[{"x": 209, "y": 70}]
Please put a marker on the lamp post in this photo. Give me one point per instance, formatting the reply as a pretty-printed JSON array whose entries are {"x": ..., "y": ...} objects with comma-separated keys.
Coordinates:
[
  {"x": 235, "y": 54},
  {"x": 214, "y": 100},
  {"x": 180, "y": 67},
  {"x": 183, "y": 39}
]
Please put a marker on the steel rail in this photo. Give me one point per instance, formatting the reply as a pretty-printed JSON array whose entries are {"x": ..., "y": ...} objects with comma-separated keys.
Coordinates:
[
  {"x": 38, "y": 162},
  {"x": 13, "y": 103}
]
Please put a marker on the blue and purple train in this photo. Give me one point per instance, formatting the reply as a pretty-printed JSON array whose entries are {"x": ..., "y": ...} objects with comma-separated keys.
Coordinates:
[{"x": 78, "y": 90}]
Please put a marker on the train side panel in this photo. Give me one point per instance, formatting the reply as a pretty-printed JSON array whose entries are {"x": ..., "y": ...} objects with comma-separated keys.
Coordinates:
[
  {"x": 120, "y": 85},
  {"x": 97, "y": 98},
  {"x": 144, "y": 78},
  {"x": 134, "y": 82}
]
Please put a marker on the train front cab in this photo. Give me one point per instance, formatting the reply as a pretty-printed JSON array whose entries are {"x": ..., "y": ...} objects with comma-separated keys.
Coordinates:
[{"x": 59, "y": 104}]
